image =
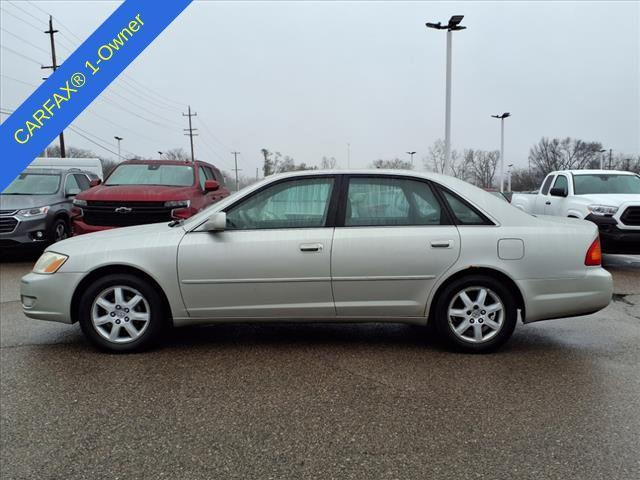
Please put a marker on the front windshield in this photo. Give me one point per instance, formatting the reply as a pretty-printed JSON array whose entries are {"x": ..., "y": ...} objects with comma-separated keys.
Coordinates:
[
  {"x": 34, "y": 184},
  {"x": 606, "y": 183},
  {"x": 152, "y": 174}
]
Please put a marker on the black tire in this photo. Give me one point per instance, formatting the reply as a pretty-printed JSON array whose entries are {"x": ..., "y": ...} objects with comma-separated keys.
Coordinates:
[
  {"x": 445, "y": 328},
  {"x": 60, "y": 230},
  {"x": 153, "y": 307}
]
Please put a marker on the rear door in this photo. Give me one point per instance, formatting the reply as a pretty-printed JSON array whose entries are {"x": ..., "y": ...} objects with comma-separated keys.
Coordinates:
[
  {"x": 557, "y": 205},
  {"x": 542, "y": 198},
  {"x": 393, "y": 239}
]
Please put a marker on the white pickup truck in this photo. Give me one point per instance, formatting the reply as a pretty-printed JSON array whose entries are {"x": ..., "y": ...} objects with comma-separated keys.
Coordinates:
[{"x": 608, "y": 198}]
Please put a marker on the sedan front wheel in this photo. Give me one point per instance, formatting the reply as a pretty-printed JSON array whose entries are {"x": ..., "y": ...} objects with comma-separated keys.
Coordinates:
[{"x": 121, "y": 313}]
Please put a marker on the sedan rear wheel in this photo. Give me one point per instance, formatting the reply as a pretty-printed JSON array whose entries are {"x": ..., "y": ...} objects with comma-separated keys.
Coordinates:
[
  {"x": 476, "y": 313},
  {"x": 121, "y": 313}
]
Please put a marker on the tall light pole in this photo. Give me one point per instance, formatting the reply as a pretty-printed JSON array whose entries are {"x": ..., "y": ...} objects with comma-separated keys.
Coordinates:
[
  {"x": 454, "y": 24},
  {"x": 119, "y": 139},
  {"x": 502, "y": 117},
  {"x": 411, "y": 154},
  {"x": 509, "y": 174},
  {"x": 601, "y": 158}
]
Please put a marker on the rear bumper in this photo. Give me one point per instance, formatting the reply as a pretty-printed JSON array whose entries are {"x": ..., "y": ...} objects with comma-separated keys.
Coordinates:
[
  {"x": 546, "y": 299},
  {"x": 48, "y": 297},
  {"x": 614, "y": 239}
]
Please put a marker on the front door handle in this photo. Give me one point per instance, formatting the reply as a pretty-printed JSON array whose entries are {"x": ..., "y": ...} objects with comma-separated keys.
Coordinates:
[
  {"x": 547, "y": 203},
  {"x": 441, "y": 244},
  {"x": 311, "y": 247}
]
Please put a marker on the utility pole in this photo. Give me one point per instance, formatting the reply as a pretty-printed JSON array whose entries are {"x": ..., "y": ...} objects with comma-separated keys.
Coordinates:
[
  {"x": 257, "y": 174},
  {"x": 119, "y": 139},
  {"x": 235, "y": 158},
  {"x": 190, "y": 130},
  {"x": 610, "y": 150},
  {"x": 54, "y": 66}
]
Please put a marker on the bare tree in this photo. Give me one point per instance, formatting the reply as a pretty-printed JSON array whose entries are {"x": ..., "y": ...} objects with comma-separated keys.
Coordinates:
[
  {"x": 328, "y": 163},
  {"x": 563, "y": 154},
  {"x": 267, "y": 167},
  {"x": 481, "y": 166},
  {"x": 395, "y": 164},
  {"x": 176, "y": 154},
  {"x": 435, "y": 160},
  {"x": 523, "y": 180}
]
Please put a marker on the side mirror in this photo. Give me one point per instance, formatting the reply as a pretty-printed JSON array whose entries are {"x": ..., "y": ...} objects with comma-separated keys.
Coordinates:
[
  {"x": 211, "y": 185},
  {"x": 558, "y": 192},
  {"x": 216, "y": 223},
  {"x": 95, "y": 183}
]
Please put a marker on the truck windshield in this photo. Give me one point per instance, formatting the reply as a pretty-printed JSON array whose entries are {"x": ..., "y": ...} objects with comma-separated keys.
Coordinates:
[
  {"x": 33, "y": 184},
  {"x": 606, "y": 183},
  {"x": 152, "y": 174}
]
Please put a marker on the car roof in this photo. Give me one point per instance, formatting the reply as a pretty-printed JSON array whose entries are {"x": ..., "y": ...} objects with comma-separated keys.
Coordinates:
[
  {"x": 594, "y": 172},
  {"x": 54, "y": 171}
]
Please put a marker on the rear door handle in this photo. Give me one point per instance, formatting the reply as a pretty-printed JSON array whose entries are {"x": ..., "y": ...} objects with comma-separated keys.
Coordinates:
[
  {"x": 311, "y": 247},
  {"x": 441, "y": 244}
]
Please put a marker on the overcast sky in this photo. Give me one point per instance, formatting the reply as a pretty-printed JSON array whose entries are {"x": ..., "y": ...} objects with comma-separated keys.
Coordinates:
[{"x": 306, "y": 79}]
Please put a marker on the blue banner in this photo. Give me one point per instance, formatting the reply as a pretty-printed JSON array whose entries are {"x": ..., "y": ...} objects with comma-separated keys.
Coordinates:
[{"x": 80, "y": 79}]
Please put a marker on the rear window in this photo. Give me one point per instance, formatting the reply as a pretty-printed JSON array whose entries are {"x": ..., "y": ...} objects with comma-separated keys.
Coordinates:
[
  {"x": 605, "y": 183},
  {"x": 152, "y": 174}
]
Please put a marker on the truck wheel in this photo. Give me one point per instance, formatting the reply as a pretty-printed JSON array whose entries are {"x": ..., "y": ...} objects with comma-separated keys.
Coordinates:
[
  {"x": 475, "y": 314},
  {"x": 121, "y": 313},
  {"x": 59, "y": 230}
]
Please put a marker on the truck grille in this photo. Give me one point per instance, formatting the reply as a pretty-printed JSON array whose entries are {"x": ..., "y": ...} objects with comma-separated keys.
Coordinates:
[
  {"x": 7, "y": 224},
  {"x": 631, "y": 216},
  {"x": 130, "y": 213}
]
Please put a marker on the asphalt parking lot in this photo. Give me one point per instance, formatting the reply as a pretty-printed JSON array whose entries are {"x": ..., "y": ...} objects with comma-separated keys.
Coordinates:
[{"x": 324, "y": 401}]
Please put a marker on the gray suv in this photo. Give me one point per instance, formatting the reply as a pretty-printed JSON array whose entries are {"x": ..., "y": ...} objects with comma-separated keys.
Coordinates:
[{"x": 35, "y": 209}]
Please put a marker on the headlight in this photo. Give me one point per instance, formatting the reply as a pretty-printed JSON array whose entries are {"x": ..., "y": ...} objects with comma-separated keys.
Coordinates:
[
  {"x": 49, "y": 262},
  {"x": 79, "y": 203},
  {"x": 177, "y": 203},
  {"x": 33, "y": 212},
  {"x": 602, "y": 210}
]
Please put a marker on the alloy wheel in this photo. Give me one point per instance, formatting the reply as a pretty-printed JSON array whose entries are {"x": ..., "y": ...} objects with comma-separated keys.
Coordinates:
[
  {"x": 476, "y": 314},
  {"x": 120, "y": 314}
]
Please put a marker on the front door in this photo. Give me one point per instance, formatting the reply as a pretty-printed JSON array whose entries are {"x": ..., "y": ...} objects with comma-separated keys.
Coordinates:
[
  {"x": 273, "y": 260},
  {"x": 396, "y": 241}
]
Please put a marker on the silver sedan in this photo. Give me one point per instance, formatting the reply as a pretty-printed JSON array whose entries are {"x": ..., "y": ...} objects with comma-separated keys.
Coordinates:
[{"x": 342, "y": 246}]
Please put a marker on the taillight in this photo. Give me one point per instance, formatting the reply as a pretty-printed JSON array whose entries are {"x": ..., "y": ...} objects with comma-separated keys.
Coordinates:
[{"x": 594, "y": 254}]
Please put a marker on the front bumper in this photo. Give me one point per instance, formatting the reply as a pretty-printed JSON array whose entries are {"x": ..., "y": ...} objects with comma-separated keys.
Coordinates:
[
  {"x": 31, "y": 231},
  {"x": 80, "y": 228},
  {"x": 48, "y": 297},
  {"x": 546, "y": 299},
  {"x": 614, "y": 239}
]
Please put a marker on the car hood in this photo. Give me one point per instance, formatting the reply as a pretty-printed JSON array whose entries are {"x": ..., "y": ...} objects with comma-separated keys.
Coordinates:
[
  {"x": 612, "y": 199},
  {"x": 18, "y": 202},
  {"x": 135, "y": 193}
]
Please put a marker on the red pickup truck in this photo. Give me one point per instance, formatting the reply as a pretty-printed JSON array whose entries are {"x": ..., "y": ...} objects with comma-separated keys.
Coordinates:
[{"x": 147, "y": 191}]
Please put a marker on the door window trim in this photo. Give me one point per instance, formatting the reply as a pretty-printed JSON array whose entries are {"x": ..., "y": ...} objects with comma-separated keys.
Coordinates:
[{"x": 331, "y": 211}]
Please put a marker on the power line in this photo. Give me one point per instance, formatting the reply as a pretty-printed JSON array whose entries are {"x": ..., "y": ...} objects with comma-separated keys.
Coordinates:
[
  {"x": 26, "y": 57},
  {"x": 95, "y": 143},
  {"x": 19, "y": 18},
  {"x": 24, "y": 41}
]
